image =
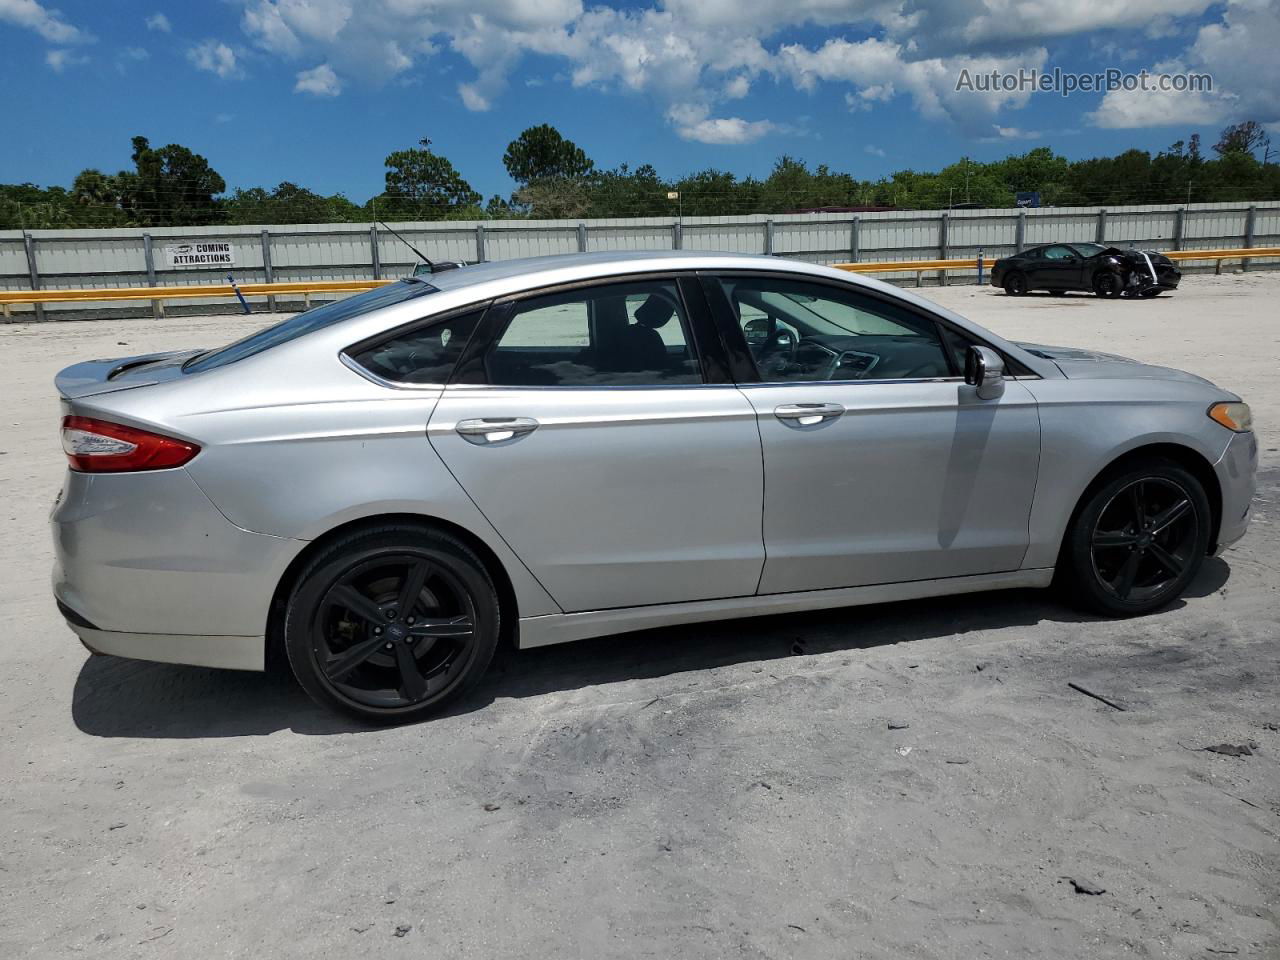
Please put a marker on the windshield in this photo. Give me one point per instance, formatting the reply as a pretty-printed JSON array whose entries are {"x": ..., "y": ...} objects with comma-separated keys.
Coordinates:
[
  {"x": 829, "y": 317},
  {"x": 1089, "y": 249},
  {"x": 303, "y": 323}
]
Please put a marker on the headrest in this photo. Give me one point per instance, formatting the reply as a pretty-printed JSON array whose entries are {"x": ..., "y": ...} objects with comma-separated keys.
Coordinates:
[{"x": 655, "y": 311}]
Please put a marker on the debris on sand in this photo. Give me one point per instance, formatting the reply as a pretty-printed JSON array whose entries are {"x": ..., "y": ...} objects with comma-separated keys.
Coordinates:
[
  {"x": 1085, "y": 886},
  {"x": 401, "y": 930},
  {"x": 1097, "y": 696},
  {"x": 902, "y": 751},
  {"x": 898, "y": 725},
  {"x": 1230, "y": 749},
  {"x": 491, "y": 807}
]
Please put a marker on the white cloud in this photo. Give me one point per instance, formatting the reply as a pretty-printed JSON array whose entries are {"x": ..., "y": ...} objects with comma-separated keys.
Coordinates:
[
  {"x": 692, "y": 122},
  {"x": 48, "y": 23},
  {"x": 1015, "y": 133},
  {"x": 879, "y": 69},
  {"x": 320, "y": 81},
  {"x": 705, "y": 53},
  {"x": 737, "y": 87},
  {"x": 1238, "y": 52},
  {"x": 873, "y": 150},
  {"x": 59, "y": 60},
  {"x": 215, "y": 57},
  {"x": 159, "y": 22}
]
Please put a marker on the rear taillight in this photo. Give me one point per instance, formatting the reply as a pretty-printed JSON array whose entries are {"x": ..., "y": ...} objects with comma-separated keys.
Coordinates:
[{"x": 97, "y": 446}]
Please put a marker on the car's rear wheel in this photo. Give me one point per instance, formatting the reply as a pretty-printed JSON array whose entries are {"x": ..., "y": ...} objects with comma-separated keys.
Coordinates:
[
  {"x": 1015, "y": 284},
  {"x": 1138, "y": 539},
  {"x": 391, "y": 624},
  {"x": 1107, "y": 285}
]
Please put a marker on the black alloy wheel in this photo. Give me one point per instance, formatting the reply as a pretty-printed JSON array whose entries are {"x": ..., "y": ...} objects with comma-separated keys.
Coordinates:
[
  {"x": 390, "y": 625},
  {"x": 1107, "y": 285},
  {"x": 1015, "y": 285},
  {"x": 1140, "y": 539}
]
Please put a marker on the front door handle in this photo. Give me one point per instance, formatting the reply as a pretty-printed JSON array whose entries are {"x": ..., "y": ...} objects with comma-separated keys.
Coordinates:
[
  {"x": 495, "y": 429},
  {"x": 807, "y": 414}
]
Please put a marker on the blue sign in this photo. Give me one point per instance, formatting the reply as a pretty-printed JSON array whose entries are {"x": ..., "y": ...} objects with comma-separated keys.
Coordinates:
[{"x": 1027, "y": 198}]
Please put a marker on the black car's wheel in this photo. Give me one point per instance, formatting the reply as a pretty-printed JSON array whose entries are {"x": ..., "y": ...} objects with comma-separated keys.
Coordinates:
[
  {"x": 1107, "y": 285},
  {"x": 390, "y": 624},
  {"x": 1015, "y": 284},
  {"x": 1138, "y": 540}
]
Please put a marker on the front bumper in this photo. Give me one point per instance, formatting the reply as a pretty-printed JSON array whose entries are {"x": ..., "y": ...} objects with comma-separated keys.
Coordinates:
[
  {"x": 147, "y": 567},
  {"x": 1237, "y": 470}
]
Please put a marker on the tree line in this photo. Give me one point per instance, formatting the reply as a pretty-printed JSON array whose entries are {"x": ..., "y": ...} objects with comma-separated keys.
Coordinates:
[{"x": 173, "y": 186}]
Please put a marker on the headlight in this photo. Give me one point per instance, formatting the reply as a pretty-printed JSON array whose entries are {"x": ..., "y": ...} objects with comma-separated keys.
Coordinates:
[{"x": 1233, "y": 416}]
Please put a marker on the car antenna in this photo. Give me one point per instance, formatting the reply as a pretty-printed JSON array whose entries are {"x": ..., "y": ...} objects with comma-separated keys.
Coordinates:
[{"x": 421, "y": 255}]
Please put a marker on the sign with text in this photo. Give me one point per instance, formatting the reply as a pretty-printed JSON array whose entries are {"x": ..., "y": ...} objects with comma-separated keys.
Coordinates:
[{"x": 206, "y": 253}]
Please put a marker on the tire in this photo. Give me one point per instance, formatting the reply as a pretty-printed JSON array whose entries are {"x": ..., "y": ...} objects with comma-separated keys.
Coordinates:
[
  {"x": 1107, "y": 285},
  {"x": 1015, "y": 285},
  {"x": 355, "y": 648},
  {"x": 1119, "y": 560}
]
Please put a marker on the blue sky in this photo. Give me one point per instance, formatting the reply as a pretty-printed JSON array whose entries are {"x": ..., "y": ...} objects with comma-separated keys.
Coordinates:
[{"x": 319, "y": 91}]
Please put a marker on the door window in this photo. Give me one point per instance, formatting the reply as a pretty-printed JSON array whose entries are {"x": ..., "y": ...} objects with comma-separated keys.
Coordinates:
[
  {"x": 1059, "y": 253},
  {"x": 621, "y": 334},
  {"x": 799, "y": 331},
  {"x": 424, "y": 354}
]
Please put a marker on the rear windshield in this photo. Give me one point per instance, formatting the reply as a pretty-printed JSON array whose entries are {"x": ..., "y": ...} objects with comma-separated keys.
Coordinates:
[{"x": 303, "y": 323}]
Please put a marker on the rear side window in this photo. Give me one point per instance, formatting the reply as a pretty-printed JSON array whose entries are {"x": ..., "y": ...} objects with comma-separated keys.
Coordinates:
[
  {"x": 301, "y": 324},
  {"x": 618, "y": 334},
  {"x": 425, "y": 354}
]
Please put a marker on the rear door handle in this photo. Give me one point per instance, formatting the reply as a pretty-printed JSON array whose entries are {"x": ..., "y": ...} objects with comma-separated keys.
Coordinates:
[
  {"x": 807, "y": 414},
  {"x": 495, "y": 429}
]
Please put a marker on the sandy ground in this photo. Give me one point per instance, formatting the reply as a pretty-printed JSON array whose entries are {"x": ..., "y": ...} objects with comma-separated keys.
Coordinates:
[{"x": 713, "y": 791}]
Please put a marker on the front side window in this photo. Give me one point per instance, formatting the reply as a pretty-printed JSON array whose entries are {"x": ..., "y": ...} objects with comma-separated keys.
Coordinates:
[
  {"x": 424, "y": 354},
  {"x": 1059, "y": 253},
  {"x": 799, "y": 331},
  {"x": 620, "y": 334}
]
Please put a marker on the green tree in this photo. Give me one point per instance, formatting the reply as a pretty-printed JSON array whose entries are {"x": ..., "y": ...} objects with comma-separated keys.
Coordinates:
[
  {"x": 1243, "y": 137},
  {"x": 541, "y": 153},
  {"x": 288, "y": 203},
  {"x": 422, "y": 185},
  {"x": 170, "y": 186}
]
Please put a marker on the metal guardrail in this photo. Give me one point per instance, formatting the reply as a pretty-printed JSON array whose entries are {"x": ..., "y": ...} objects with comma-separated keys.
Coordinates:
[{"x": 9, "y": 298}]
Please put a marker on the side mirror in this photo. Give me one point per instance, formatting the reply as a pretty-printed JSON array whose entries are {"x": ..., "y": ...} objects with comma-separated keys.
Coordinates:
[{"x": 984, "y": 370}]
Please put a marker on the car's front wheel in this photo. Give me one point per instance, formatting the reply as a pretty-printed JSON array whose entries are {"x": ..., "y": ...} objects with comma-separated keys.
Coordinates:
[
  {"x": 1107, "y": 285},
  {"x": 391, "y": 624},
  {"x": 1138, "y": 539}
]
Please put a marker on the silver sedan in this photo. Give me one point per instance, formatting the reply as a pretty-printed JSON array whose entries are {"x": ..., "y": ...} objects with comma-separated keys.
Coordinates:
[{"x": 527, "y": 452}]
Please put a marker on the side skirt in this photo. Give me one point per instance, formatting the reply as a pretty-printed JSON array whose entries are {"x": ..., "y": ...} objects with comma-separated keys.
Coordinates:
[{"x": 564, "y": 627}]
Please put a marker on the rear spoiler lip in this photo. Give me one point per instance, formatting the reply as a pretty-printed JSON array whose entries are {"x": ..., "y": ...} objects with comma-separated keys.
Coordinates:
[{"x": 91, "y": 377}]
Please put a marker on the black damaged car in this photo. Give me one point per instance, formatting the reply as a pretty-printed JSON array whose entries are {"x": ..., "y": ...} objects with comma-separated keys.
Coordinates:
[{"x": 1106, "y": 271}]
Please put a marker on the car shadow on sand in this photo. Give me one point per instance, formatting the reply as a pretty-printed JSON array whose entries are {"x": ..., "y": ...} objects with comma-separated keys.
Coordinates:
[{"x": 128, "y": 698}]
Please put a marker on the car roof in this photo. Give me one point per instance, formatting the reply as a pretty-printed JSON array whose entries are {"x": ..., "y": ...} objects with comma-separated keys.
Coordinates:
[{"x": 533, "y": 271}]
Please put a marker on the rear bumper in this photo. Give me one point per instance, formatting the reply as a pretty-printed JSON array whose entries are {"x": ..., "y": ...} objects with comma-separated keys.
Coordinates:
[
  {"x": 228, "y": 653},
  {"x": 1237, "y": 475},
  {"x": 147, "y": 567}
]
